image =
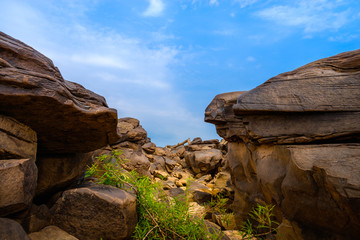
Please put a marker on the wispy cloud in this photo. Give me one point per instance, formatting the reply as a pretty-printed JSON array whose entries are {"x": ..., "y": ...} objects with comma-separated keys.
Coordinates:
[
  {"x": 155, "y": 8},
  {"x": 245, "y": 3},
  {"x": 225, "y": 32},
  {"x": 250, "y": 59},
  {"x": 133, "y": 74},
  {"x": 214, "y": 2},
  {"x": 311, "y": 15}
]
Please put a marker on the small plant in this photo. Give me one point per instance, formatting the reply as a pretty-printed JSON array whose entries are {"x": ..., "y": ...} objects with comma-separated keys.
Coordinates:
[
  {"x": 261, "y": 222},
  {"x": 160, "y": 217},
  {"x": 217, "y": 205},
  {"x": 108, "y": 170}
]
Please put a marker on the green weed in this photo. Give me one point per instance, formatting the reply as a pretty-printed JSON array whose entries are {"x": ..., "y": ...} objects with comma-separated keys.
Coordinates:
[
  {"x": 160, "y": 217},
  {"x": 260, "y": 223}
]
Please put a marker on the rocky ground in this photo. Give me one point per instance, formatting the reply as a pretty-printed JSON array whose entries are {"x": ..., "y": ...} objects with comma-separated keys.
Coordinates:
[{"x": 293, "y": 142}]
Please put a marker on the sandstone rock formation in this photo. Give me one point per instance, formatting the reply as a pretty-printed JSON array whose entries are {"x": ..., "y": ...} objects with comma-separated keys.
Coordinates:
[
  {"x": 18, "y": 172},
  {"x": 9, "y": 229},
  {"x": 66, "y": 117},
  {"x": 47, "y": 125},
  {"x": 53, "y": 233},
  {"x": 96, "y": 211},
  {"x": 294, "y": 142}
]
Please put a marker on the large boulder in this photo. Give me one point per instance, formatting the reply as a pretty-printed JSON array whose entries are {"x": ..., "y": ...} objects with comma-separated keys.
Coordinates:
[
  {"x": 96, "y": 211},
  {"x": 58, "y": 171},
  {"x": 18, "y": 184},
  {"x": 66, "y": 117},
  {"x": 53, "y": 233},
  {"x": 130, "y": 130},
  {"x": 294, "y": 142},
  {"x": 205, "y": 161},
  {"x": 11, "y": 230}
]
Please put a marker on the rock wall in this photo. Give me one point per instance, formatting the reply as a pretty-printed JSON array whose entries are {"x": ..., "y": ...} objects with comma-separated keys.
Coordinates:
[
  {"x": 47, "y": 126},
  {"x": 294, "y": 141}
]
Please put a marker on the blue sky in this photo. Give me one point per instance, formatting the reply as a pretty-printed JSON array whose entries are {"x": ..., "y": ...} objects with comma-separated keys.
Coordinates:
[{"x": 163, "y": 61}]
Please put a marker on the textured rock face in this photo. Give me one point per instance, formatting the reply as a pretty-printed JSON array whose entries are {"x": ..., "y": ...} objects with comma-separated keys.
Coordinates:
[
  {"x": 67, "y": 117},
  {"x": 51, "y": 232},
  {"x": 130, "y": 130},
  {"x": 96, "y": 212},
  {"x": 9, "y": 229},
  {"x": 58, "y": 171},
  {"x": 18, "y": 183},
  {"x": 16, "y": 139},
  {"x": 18, "y": 172},
  {"x": 294, "y": 142},
  {"x": 204, "y": 161}
]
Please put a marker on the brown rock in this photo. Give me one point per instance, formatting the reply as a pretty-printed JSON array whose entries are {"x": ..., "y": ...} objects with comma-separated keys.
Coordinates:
[
  {"x": 314, "y": 185},
  {"x": 196, "y": 140},
  {"x": 53, "y": 233},
  {"x": 170, "y": 164},
  {"x": 136, "y": 160},
  {"x": 36, "y": 218},
  {"x": 65, "y": 116},
  {"x": 204, "y": 161},
  {"x": 196, "y": 210},
  {"x": 327, "y": 85},
  {"x": 236, "y": 235},
  {"x": 133, "y": 159},
  {"x": 225, "y": 221},
  {"x": 96, "y": 212},
  {"x": 11, "y": 230},
  {"x": 18, "y": 183},
  {"x": 289, "y": 230},
  {"x": 16, "y": 140},
  {"x": 130, "y": 130},
  {"x": 58, "y": 171},
  {"x": 149, "y": 147}
]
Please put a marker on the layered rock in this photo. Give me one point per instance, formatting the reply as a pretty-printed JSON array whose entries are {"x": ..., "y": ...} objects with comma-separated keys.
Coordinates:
[
  {"x": 294, "y": 142},
  {"x": 66, "y": 117},
  {"x": 18, "y": 172},
  {"x": 47, "y": 125}
]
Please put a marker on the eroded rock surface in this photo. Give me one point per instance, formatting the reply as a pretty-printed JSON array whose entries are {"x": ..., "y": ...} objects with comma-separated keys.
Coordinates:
[
  {"x": 66, "y": 117},
  {"x": 11, "y": 230},
  {"x": 96, "y": 211},
  {"x": 18, "y": 183},
  {"x": 53, "y": 233},
  {"x": 294, "y": 142}
]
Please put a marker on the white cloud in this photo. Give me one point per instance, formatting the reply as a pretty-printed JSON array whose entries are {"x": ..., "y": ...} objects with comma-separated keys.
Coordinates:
[
  {"x": 214, "y": 2},
  {"x": 134, "y": 77},
  {"x": 155, "y": 8},
  {"x": 245, "y": 3},
  {"x": 225, "y": 32},
  {"x": 250, "y": 59},
  {"x": 311, "y": 15},
  {"x": 99, "y": 60}
]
